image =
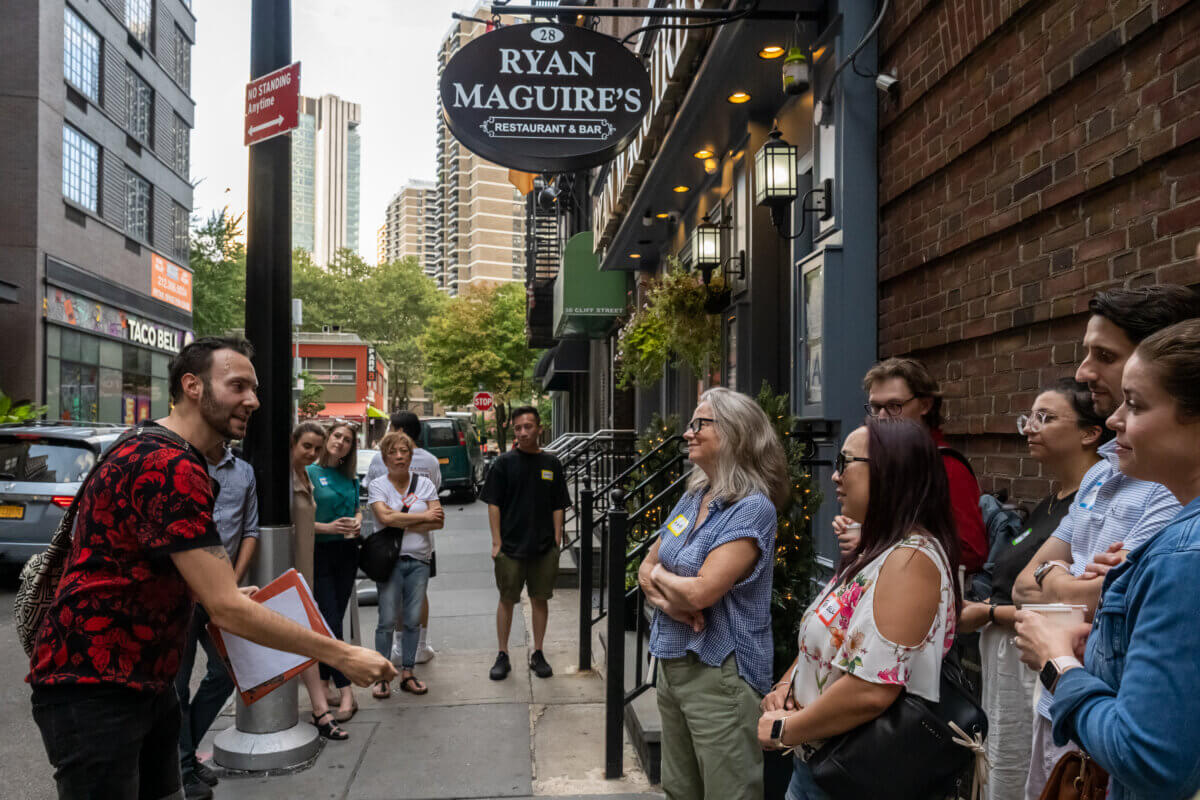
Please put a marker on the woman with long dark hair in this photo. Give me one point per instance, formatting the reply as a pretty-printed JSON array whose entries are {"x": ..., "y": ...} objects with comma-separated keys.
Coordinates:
[{"x": 887, "y": 618}]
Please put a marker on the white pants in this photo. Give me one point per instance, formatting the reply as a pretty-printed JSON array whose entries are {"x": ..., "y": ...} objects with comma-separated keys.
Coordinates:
[
  {"x": 1008, "y": 703},
  {"x": 1044, "y": 756}
]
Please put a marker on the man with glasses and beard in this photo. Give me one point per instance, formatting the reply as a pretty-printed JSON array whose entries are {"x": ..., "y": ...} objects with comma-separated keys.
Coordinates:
[
  {"x": 144, "y": 543},
  {"x": 1111, "y": 513}
]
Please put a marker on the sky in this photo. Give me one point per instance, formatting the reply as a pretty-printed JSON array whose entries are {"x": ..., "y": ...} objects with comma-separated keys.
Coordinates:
[{"x": 381, "y": 54}]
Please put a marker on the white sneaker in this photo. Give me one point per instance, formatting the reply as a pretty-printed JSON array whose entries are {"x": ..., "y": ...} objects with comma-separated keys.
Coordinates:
[{"x": 425, "y": 654}]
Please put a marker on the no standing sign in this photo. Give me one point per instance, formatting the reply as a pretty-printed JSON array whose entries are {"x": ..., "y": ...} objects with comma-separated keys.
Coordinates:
[{"x": 272, "y": 104}]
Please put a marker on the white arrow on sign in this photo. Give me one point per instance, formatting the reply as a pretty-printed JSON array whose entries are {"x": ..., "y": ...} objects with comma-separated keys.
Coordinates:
[{"x": 271, "y": 123}]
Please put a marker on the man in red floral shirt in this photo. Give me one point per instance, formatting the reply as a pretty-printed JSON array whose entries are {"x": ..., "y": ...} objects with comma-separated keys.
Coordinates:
[{"x": 144, "y": 543}]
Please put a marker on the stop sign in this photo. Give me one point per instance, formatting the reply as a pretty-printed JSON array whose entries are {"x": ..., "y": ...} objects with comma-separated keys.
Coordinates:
[{"x": 482, "y": 401}]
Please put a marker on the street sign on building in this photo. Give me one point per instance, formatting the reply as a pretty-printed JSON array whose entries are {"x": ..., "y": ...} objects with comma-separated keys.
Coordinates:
[
  {"x": 272, "y": 104},
  {"x": 482, "y": 401},
  {"x": 545, "y": 98}
]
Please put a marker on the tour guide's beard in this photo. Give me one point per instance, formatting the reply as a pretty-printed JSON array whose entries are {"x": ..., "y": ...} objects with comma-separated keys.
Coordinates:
[{"x": 218, "y": 418}]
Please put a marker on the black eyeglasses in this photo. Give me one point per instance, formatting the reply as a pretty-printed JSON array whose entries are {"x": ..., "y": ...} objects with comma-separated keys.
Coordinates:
[
  {"x": 697, "y": 424},
  {"x": 893, "y": 409},
  {"x": 839, "y": 463}
]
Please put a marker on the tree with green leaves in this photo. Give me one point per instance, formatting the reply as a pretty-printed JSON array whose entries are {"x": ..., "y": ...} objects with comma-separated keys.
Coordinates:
[
  {"x": 310, "y": 403},
  {"x": 218, "y": 263},
  {"x": 388, "y": 306},
  {"x": 477, "y": 341}
]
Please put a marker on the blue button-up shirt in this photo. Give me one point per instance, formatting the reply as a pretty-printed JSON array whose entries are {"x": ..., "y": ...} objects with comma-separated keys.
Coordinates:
[
  {"x": 235, "y": 508},
  {"x": 740, "y": 622},
  {"x": 1134, "y": 705},
  {"x": 1110, "y": 507}
]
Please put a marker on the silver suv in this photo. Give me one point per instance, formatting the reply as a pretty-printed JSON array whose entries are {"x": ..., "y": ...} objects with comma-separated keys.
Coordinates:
[{"x": 42, "y": 465}]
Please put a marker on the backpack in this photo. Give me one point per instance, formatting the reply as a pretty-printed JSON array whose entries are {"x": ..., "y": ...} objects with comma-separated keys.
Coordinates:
[
  {"x": 1003, "y": 524},
  {"x": 42, "y": 572}
]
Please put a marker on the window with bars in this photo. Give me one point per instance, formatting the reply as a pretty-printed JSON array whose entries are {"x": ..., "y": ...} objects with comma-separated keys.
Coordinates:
[
  {"x": 331, "y": 370},
  {"x": 183, "y": 60},
  {"x": 139, "y": 105},
  {"x": 181, "y": 135},
  {"x": 81, "y": 169},
  {"x": 179, "y": 231},
  {"x": 81, "y": 55},
  {"x": 137, "y": 206},
  {"x": 139, "y": 17}
]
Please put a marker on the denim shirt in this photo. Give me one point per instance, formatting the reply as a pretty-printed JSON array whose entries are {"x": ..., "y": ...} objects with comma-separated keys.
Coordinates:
[
  {"x": 1134, "y": 706},
  {"x": 740, "y": 622}
]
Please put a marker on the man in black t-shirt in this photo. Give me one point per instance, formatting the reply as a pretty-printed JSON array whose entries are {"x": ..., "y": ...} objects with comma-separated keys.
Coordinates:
[{"x": 527, "y": 497}]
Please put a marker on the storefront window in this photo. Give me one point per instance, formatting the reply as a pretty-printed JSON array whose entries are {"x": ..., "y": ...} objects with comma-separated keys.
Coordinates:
[
  {"x": 731, "y": 353},
  {"x": 79, "y": 391},
  {"x": 135, "y": 385},
  {"x": 814, "y": 302}
]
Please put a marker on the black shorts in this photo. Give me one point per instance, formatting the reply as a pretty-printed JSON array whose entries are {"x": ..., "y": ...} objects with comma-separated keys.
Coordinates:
[{"x": 109, "y": 741}]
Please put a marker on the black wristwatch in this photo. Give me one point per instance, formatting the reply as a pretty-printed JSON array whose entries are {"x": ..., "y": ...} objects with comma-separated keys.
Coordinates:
[
  {"x": 1053, "y": 670},
  {"x": 777, "y": 731},
  {"x": 992, "y": 612}
]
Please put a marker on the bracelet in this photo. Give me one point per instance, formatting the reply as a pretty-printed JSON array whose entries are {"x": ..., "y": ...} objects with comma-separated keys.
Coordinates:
[
  {"x": 781, "y": 683},
  {"x": 992, "y": 613}
]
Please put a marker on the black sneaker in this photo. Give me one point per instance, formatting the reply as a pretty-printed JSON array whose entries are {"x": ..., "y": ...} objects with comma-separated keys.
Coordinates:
[
  {"x": 539, "y": 665},
  {"x": 501, "y": 668},
  {"x": 205, "y": 773},
  {"x": 194, "y": 788}
]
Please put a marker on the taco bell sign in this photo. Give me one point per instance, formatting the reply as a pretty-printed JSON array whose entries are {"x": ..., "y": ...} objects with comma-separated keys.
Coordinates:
[{"x": 544, "y": 98}]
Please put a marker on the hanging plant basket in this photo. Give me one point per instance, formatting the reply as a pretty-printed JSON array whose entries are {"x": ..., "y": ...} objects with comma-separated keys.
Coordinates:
[{"x": 716, "y": 301}]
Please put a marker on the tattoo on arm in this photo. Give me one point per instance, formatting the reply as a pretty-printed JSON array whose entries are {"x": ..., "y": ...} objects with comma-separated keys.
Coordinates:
[{"x": 216, "y": 551}]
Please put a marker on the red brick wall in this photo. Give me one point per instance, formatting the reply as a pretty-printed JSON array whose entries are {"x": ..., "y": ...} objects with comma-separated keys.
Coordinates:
[{"x": 1038, "y": 150}]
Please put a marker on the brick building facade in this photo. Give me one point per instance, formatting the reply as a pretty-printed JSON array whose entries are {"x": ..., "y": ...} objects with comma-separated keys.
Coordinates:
[{"x": 1037, "y": 151}]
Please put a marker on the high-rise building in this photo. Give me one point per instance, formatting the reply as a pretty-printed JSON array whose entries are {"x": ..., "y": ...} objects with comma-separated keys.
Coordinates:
[
  {"x": 480, "y": 216},
  {"x": 326, "y": 158},
  {"x": 410, "y": 226},
  {"x": 95, "y": 120}
]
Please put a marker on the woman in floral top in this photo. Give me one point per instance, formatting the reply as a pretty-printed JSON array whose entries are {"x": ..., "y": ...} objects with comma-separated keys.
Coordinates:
[{"x": 886, "y": 619}]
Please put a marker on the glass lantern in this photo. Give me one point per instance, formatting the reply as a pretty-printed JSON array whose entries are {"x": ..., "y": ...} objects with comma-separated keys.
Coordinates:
[
  {"x": 775, "y": 172},
  {"x": 706, "y": 247}
]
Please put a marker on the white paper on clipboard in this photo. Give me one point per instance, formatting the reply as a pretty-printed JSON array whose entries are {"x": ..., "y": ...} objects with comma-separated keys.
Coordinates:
[{"x": 254, "y": 664}]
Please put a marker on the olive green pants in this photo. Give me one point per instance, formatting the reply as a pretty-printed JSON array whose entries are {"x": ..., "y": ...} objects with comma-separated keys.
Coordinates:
[{"x": 710, "y": 748}]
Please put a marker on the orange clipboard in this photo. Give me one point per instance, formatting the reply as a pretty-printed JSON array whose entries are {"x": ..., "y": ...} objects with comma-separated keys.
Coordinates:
[{"x": 288, "y": 580}]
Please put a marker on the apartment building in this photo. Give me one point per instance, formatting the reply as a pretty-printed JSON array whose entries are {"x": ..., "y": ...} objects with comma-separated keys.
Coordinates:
[
  {"x": 95, "y": 119},
  {"x": 326, "y": 177},
  {"x": 480, "y": 216},
  {"x": 410, "y": 226}
]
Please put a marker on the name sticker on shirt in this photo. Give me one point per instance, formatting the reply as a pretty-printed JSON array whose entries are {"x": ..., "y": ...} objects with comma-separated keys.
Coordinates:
[
  {"x": 547, "y": 474},
  {"x": 1089, "y": 499},
  {"x": 678, "y": 525},
  {"x": 829, "y": 609},
  {"x": 323, "y": 480}
]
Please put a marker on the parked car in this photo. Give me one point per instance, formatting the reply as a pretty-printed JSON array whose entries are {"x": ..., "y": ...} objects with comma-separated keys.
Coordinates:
[
  {"x": 42, "y": 466},
  {"x": 455, "y": 444}
]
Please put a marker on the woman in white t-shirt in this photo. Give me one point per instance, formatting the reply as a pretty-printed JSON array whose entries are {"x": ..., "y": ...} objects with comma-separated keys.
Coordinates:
[
  {"x": 401, "y": 499},
  {"x": 887, "y": 618}
]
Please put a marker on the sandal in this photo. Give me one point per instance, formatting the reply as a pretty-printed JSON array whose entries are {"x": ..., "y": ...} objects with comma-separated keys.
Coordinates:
[
  {"x": 382, "y": 690},
  {"x": 330, "y": 729},
  {"x": 346, "y": 716},
  {"x": 412, "y": 679}
]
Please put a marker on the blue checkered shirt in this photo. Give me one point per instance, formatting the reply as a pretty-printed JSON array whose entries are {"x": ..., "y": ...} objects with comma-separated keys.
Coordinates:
[
  {"x": 1110, "y": 507},
  {"x": 740, "y": 622}
]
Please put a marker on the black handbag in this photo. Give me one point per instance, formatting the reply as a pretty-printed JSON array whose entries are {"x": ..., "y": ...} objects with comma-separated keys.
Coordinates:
[
  {"x": 910, "y": 751},
  {"x": 381, "y": 550}
]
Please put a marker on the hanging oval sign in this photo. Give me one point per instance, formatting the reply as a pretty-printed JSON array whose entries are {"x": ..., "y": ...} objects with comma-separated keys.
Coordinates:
[{"x": 544, "y": 98}]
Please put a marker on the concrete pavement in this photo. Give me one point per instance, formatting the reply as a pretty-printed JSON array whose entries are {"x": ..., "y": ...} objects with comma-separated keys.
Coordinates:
[{"x": 469, "y": 737}]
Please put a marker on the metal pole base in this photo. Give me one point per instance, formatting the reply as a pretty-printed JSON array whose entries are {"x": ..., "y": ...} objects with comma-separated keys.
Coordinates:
[{"x": 260, "y": 752}]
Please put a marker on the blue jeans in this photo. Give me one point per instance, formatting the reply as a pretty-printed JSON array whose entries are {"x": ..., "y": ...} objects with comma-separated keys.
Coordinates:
[
  {"x": 199, "y": 711},
  {"x": 402, "y": 597},
  {"x": 803, "y": 787}
]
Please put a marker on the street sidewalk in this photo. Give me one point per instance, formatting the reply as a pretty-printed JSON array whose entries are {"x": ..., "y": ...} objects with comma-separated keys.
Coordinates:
[{"x": 469, "y": 737}]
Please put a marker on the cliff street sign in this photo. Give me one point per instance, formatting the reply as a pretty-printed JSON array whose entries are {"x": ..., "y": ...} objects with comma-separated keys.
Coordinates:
[
  {"x": 272, "y": 104},
  {"x": 544, "y": 98}
]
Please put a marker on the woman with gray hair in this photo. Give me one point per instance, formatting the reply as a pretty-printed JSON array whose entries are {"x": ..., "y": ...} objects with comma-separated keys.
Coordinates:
[{"x": 709, "y": 575}]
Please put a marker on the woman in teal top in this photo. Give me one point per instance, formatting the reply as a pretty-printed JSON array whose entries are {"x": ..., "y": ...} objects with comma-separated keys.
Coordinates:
[{"x": 335, "y": 554}]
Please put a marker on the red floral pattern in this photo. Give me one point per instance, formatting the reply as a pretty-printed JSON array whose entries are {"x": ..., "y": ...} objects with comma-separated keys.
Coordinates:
[{"x": 122, "y": 609}]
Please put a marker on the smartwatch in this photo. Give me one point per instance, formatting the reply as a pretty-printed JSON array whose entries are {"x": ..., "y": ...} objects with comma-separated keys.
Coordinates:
[
  {"x": 777, "y": 732},
  {"x": 1054, "y": 669}
]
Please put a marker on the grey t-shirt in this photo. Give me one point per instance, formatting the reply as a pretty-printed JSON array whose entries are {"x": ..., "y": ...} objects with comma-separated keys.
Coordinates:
[
  {"x": 415, "y": 544},
  {"x": 423, "y": 463}
]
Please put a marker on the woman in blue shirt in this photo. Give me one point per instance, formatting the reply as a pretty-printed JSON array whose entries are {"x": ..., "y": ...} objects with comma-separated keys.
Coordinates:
[
  {"x": 335, "y": 554},
  {"x": 1134, "y": 701},
  {"x": 709, "y": 574}
]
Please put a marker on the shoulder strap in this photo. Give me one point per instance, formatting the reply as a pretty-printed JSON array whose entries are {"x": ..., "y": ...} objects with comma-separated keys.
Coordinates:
[{"x": 957, "y": 456}]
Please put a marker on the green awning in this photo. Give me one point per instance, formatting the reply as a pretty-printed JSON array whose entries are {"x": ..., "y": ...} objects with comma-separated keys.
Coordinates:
[
  {"x": 587, "y": 302},
  {"x": 375, "y": 413}
]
